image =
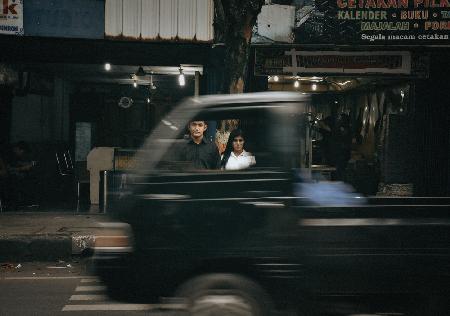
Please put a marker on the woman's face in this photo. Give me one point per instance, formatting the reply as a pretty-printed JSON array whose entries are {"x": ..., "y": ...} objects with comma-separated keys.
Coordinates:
[{"x": 238, "y": 144}]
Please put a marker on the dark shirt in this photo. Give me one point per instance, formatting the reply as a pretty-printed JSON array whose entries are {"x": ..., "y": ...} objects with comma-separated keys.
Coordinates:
[{"x": 203, "y": 156}]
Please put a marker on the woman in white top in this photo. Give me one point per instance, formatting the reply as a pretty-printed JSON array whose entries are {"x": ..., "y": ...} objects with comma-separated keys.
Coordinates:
[{"x": 234, "y": 156}]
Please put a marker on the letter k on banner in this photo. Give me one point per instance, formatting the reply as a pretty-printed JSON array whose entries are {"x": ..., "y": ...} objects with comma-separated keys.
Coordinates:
[{"x": 9, "y": 8}]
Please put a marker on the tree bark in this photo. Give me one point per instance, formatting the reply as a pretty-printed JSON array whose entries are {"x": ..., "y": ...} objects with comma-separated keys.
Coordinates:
[{"x": 233, "y": 25}]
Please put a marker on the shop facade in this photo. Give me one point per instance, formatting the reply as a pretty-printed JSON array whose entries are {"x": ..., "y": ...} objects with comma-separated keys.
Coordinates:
[
  {"x": 379, "y": 67},
  {"x": 83, "y": 74}
]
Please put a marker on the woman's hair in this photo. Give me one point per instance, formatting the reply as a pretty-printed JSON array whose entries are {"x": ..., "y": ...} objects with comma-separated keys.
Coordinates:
[{"x": 229, "y": 148}]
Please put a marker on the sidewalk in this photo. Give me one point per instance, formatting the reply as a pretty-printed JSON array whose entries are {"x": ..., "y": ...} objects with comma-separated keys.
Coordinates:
[{"x": 32, "y": 236}]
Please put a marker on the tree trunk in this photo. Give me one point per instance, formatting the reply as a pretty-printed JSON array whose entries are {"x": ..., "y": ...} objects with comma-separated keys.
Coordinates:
[{"x": 233, "y": 25}]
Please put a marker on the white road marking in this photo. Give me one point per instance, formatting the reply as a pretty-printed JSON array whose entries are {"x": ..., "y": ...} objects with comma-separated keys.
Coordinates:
[
  {"x": 121, "y": 307},
  {"x": 44, "y": 278},
  {"x": 90, "y": 297},
  {"x": 87, "y": 288},
  {"x": 91, "y": 280},
  {"x": 55, "y": 267}
]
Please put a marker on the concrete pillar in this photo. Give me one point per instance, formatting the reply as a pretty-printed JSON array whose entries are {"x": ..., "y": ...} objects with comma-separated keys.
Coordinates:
[{"x": 98, "y": 159}]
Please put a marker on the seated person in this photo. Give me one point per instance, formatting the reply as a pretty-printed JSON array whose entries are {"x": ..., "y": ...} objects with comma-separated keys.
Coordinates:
[
  {"x": 22, "y": 176},
  {"x": 234, "y": 156},
  {"x": 20, "y": 163}
]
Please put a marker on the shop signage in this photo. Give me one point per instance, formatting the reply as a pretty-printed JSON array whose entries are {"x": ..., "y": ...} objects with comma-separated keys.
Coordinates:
[
  {"x": 11, "y": 17},
  {"x": 65, "y": 18},
  {"x": 396, "y": 21},
  {"x": 366, "y": 22},
  {"x": 293, "y": 62}
]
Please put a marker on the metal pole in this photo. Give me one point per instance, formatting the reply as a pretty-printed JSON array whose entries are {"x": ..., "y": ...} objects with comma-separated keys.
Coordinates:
[{"x": 197, "y": 84}]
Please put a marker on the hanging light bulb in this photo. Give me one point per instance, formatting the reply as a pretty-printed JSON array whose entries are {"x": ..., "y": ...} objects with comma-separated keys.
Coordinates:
[
  {"x": 181, "y": 79},
  {"x": 148, "y": 100},
  {"x": 135, "y": 84},
  {"x": 276, "y": 78},
  {"x": 314, "y": 87},
  {"x": 296, "y": 84},
  {"x": 107, "y": 66},
  {"x": 152, "y": 85}
]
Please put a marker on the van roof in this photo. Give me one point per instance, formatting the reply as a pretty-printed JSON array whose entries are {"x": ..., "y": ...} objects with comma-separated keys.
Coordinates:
[{"x": 246, "y": 98}]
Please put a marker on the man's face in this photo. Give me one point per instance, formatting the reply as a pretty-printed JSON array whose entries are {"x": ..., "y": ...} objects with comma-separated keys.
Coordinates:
[{"x": 197, "y": 128}]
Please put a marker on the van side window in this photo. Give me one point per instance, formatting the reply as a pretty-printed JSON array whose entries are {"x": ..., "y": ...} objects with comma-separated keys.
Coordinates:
[{"x": 260, "y": 138}]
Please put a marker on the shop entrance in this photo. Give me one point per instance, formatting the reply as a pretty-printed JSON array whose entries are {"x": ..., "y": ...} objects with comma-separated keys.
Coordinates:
[
  {"x": 359, "y": 130},
  {"x": 62, "y": 111}
]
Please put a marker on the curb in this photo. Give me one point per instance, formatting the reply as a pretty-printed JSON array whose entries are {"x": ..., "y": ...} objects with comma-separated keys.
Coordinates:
[
  {"x": 47, "y": 236},
  {"x": 35, "y": 247},
  {"x": 45, "y": 247}
]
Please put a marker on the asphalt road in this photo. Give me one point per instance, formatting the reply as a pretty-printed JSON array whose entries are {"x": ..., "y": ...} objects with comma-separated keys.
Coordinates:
[
  {"x": 62, "y": 288},
  {"x": 70, "y": 288}
]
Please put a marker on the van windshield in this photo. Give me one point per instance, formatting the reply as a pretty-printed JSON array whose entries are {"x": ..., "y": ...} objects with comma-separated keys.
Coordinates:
[{"x": 227, "y": 138}]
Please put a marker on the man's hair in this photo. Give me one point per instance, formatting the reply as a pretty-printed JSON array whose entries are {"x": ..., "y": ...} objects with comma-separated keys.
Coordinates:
[{"x": 197, "y": 121}]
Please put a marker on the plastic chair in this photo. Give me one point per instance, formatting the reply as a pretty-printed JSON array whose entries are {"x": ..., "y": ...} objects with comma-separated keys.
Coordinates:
[
  {"x": 66, "y": 169},
  {"x": 65, "y": 164}
]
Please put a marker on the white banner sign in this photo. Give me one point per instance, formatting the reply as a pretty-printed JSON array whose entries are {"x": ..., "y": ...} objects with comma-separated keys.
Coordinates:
[
  {"x": 373, "y": 62},
  {"x": 11, "y": 17}
]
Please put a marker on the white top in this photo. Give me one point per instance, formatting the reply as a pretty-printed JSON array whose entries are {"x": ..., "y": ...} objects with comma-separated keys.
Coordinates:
[{"x": 244, "y": 160}]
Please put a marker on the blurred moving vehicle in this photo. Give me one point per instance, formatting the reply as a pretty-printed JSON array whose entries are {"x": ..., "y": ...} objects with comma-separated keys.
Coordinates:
[{"x": 251, "y": 241}]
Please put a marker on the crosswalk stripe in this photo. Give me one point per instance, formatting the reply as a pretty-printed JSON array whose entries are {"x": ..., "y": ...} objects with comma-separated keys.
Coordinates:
[
  {"x": 44, "y": 278},
  {"x": 87, "y": 288},
  {"x": 90, "y": 297},
  {"x": 121, "y": 307},
  {"x": 91, "y": 280}
]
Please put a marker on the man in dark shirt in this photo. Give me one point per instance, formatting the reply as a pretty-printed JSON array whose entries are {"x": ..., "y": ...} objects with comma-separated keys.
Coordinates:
[{"x": 202, "y": 153}]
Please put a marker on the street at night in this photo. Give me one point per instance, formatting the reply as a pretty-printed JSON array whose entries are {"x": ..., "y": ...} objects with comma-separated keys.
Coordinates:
[{"x": 225, "y": 157}]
